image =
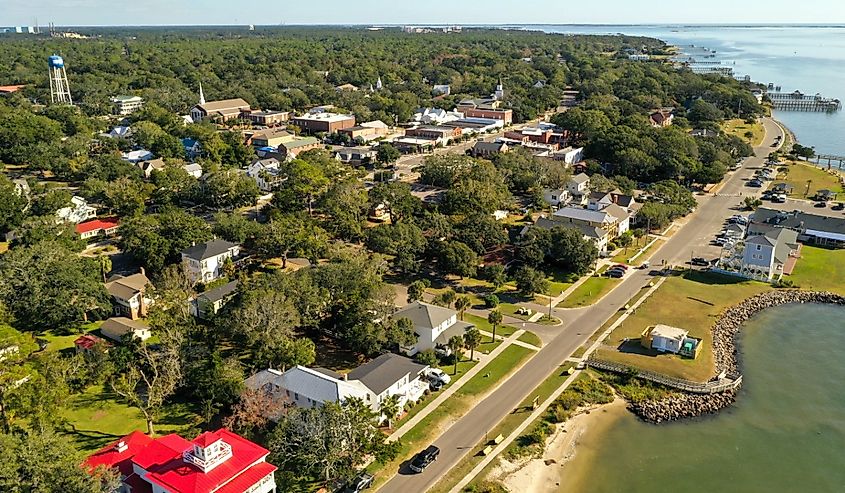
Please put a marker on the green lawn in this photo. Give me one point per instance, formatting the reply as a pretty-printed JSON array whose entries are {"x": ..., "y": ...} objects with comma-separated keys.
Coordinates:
[
  {"x": 692, "y": 302},
  {"x": 457, "y": 405},
  {"x": 798, "y": 174},
  {"x": 95, "y": 418},
  {"x": 589, "y": 292},
  {"x": 739, "y": 128},
  {"x": 820, "y": 269},
  {"x": 624, "y": 257},
  {"x": 530, "y": 338},
  {"x": 61, "y": 342}
]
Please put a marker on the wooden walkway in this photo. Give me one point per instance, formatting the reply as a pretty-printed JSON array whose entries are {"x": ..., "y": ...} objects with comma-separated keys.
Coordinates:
[{"x": 719, "y": 385}]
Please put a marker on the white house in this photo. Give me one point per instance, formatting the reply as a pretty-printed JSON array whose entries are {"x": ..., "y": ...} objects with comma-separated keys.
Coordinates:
[
  {"x": 673, "y": 340},
  {"x": 267, "y": 173},
  {"x": 614, "y": 219},
  {"x": 556, "y": 197},
  {"x": 434, "y": 325},
  {"x": 125, "y": 105},
  {"x": 372, "y": 382},
  {"x": 569, "y": 155},
  {"x": 193, "y": 169},
  {"x": 119, "y": 132},
  {"x": 436, "y": 116},
  {"x": 599, "y": 236},
  {"x": 578, "y": 188},
  {"x": 204, "y": 262},
  {"x": 137, "y": 156},
  {"x": 766, "y": 257},
  {"x": 77, "y": 212}
]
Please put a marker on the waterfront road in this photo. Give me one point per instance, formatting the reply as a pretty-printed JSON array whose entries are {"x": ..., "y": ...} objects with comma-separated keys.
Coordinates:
[{"x": 470, "y": 429}]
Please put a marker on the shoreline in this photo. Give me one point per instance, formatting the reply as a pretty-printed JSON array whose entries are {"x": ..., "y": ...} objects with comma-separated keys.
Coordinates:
[
  {"x": 726, "y": 332},
  {"x": 556, "y": 468}
]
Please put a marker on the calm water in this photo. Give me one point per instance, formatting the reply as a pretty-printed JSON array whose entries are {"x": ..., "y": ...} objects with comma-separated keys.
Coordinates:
[
  {"x": 785, "y": 434},
  {"x": 809, "y": 59}
]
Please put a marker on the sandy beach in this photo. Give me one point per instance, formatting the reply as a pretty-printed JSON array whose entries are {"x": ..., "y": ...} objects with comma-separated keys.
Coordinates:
[{"x": 557, "y": 469}]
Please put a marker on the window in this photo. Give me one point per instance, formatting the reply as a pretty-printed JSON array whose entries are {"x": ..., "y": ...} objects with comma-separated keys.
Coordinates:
[
  {"x": 296, "y": 396},
  {"x": 759, "y": 247},
  {"x": 287, "y": 392}
]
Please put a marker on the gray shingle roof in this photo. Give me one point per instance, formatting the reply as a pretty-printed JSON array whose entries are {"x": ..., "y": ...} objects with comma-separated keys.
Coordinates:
[
  {"x": 208, "y": 249},
  {"x": 578, "y": 214},
  {"x": 379, "y": 374},
  {"x": 424, "y": 315},
  {"x": 588, "y": 231},
  {"x": 220, "y": 292}
]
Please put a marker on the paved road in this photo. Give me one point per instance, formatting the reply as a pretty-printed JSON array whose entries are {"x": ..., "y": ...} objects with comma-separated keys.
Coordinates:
[{"x": 469, "y": 430}]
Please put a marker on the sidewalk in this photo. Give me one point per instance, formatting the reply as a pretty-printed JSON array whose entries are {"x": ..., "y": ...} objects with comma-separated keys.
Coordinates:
[
  {"x": 541, "y": 409},
  {"x": 483, "y": 359}
]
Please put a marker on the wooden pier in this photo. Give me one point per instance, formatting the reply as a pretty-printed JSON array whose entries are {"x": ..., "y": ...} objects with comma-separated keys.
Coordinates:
[
  {"x": 830, "y": 159},
  {"x": 798, "y": 101}
]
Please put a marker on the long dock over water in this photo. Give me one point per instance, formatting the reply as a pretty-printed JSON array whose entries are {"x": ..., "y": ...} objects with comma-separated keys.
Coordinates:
[{"x": 798, "y": 101}]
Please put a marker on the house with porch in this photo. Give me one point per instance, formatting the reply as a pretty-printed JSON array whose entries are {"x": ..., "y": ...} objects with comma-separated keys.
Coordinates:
[
  {"x": 116, "y": 328},
  {"x": 209, "y": 303},
  {"x": 214, "y": 462},
  {"x": 204, "y": 262},
  {"x": 433, "y": 325},
  {"x": 812, "y": 229},
  {"x": 130, "y": 295},
  {"x": 579, "y": 188},
  {"x": 373, "y": 382}
]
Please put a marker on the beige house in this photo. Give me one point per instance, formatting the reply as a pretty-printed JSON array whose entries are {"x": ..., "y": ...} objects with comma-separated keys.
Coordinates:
[
  {"x": 130, "y": 295},
  {"x": 117, "y": 327}
]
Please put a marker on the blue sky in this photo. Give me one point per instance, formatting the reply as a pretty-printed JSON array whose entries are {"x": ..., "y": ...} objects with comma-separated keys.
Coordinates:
[{"x": 157, "y": 12}]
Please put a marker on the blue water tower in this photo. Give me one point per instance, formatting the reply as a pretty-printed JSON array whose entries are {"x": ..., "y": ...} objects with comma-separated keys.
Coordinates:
[{"x": 56, "y": 62}]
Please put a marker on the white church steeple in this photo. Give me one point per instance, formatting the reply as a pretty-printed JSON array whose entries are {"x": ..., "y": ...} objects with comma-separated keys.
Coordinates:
[
  {"x": 202, "y": 96},
  {"x": 500, "y": 91}
]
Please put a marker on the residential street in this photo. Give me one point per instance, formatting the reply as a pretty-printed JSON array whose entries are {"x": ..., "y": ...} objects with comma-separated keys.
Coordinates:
[{"x": 690, "y": 239}]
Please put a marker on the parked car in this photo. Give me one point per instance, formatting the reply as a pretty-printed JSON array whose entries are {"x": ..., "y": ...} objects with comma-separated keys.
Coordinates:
[
  {"x": 820, "y": 205},
  {"x": 615, "y": 274},
  {"x": 620, "y": 266},
  {"x": 438, "y": 375},
  {"x": 645, "y": 265},
  {"x": 838, "y": 207},
  {"x": 779, "y": 198},
  {"x": 700, "y": 261},
  {"x": 424, "y": 458},
  {"x": 442, "y": 351},
  {"x": 756, "y": 183},
  {"x": 359, "y": 483}
]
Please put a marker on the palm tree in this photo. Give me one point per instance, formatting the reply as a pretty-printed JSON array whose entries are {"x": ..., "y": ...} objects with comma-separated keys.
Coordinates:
[
  {"x": 389, "y": 407},
  {"x": 456, "y": 343},
  {"x": 461, "y": 304},
  {"x": 472, "y": 339},
  {"x": 495, "y": 318}
]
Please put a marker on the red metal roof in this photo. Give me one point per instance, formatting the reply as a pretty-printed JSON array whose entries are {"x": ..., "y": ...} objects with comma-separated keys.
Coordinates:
[
  {"x": 162, "y": 459},
  {"x": 247, "y": 478},
  {"x": 97, "y": 224},
  {"x": 87, "y": 341},
  {"x": 109, "y": 456},
  {"x": 161, "y": 452},
  {"x": 179, "y": 477}
]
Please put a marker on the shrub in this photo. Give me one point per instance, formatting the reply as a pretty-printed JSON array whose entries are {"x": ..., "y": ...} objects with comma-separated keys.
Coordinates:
[
  {"x": 491, "y": 301},
  {"x": 427, "y": 357}
]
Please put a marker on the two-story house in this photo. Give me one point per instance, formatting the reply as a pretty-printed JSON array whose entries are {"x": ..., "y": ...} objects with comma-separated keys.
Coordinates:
[
  {"x": 614, "y": 219},
  {"x": 78, "y": 211},
  {"x": 267, "y": 174},
  {"x": 767, "y": 257},
  {"x": 579, "y": 187},
  {"x": 130, "y": 295},
  {"x": 204, "y": 262},
  {"x": 373, "y": 382},
  {"x": 209, "y": 303},
  {"x": 433, "y": 325},
  {"x": 214, "y": 462},
  {"x": 556, "y": 197}
]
